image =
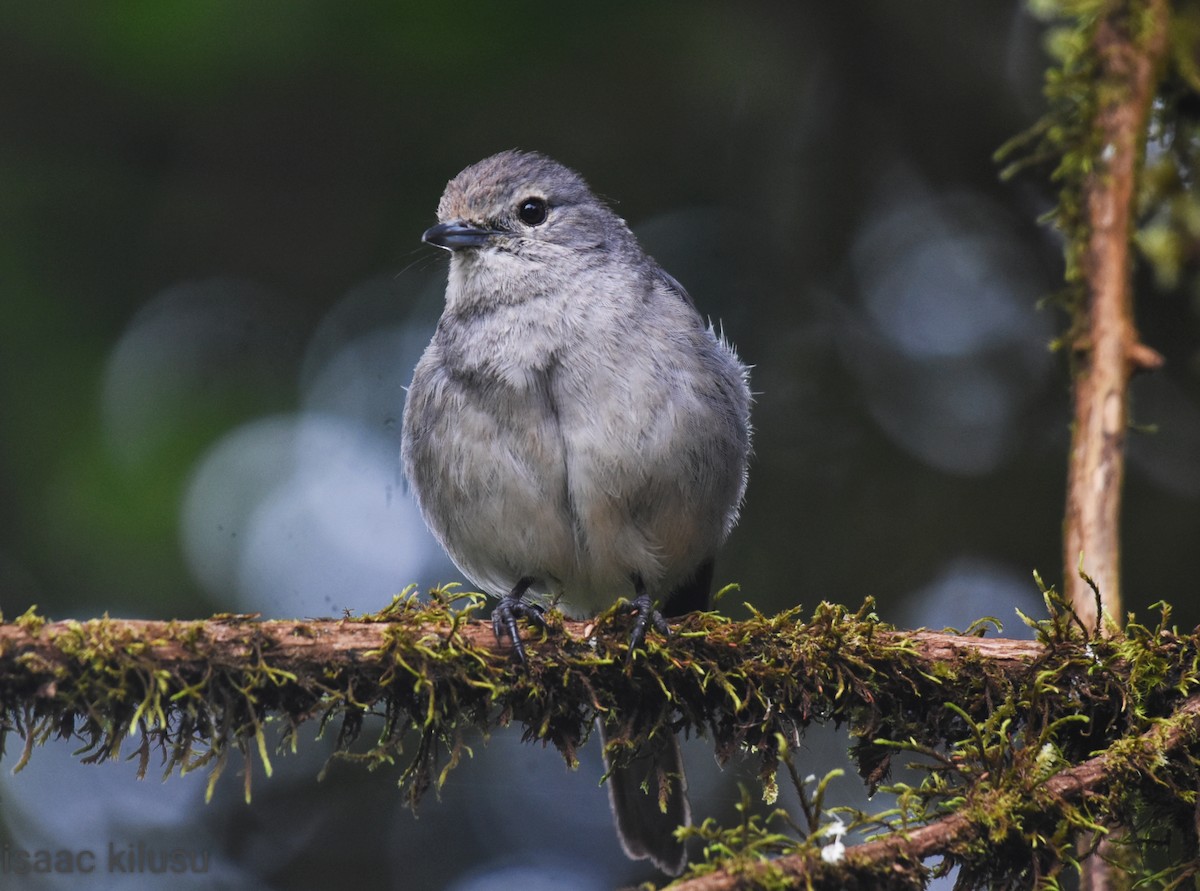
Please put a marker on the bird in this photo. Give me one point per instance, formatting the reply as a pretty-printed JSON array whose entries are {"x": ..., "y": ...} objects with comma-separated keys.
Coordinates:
[{"x": 576, "y": 432}]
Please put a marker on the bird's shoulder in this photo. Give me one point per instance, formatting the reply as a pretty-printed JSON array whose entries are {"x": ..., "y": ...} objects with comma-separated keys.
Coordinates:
[{"x": 672, "y": 287}]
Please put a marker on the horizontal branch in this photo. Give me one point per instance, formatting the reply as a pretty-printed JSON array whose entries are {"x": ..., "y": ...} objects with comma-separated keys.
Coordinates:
[
  {"x": 31, "y": 651},
  {"x": 202, "y": 691}
]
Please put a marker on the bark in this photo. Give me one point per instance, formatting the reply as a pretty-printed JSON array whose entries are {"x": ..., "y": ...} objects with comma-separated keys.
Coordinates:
[{"x": 1109, "y": 350}]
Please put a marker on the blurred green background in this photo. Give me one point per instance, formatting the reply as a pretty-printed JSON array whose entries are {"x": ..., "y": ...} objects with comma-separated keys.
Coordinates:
[{"x": 212, "y": 293}]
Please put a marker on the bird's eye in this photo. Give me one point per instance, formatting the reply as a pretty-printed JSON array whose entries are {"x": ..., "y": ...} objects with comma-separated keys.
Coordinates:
[{"x": 532, "y": 211}]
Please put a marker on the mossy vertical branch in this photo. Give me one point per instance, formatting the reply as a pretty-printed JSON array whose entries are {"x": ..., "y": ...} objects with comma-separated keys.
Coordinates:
[
  {"x": 1109, "y": 83},
  {"x": 1127, "y": 46}
]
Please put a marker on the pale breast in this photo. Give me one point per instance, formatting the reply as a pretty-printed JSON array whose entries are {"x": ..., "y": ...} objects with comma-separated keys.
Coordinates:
[{"x": 485, "y": 460}]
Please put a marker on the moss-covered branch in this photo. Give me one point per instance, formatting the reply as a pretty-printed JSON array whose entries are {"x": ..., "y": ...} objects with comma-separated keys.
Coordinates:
[
  {"x": 34, "y": 651},
  {"x": 203, "y": 689},
  {"x": 992, "y": 722},
  {"x": 1107, "y": 91},
  {"x": 894, "y": 861}
]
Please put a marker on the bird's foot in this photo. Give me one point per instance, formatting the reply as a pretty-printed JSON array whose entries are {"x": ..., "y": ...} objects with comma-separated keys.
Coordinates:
[
  {"x": 511, "y": 608},
  {"x": 647, "y": 615}
]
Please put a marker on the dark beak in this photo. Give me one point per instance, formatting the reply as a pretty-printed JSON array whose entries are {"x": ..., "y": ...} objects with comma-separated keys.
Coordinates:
[{"x": 456, "y": 235}]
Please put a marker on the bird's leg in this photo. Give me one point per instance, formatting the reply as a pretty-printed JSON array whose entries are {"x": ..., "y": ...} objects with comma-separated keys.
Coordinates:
[
  {"x": 510, "y": 608},
  {"x": 647, "y": 615}
]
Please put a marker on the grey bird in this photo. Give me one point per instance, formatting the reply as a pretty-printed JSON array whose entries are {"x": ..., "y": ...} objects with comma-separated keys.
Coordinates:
[{"x": 575, "y": 432}]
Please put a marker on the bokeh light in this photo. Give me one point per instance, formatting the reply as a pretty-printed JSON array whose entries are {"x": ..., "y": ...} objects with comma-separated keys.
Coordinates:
[{"x": 213, "y": 295}]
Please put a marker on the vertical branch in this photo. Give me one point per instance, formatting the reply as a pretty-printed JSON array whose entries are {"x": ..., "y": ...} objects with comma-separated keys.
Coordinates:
[{"x": 1129, "y": 43}]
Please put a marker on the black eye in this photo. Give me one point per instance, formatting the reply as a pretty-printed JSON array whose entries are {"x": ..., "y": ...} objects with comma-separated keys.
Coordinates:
[{"x": 532, "y": 211}]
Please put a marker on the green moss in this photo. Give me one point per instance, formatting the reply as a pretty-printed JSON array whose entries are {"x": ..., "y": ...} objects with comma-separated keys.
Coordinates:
[
  {"x": 1069, "y": 146},
  {"x": 985, "y": 741}
]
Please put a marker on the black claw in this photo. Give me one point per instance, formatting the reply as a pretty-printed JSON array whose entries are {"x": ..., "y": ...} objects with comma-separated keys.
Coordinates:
[
  {"x": 511, "y": 608},
  {"x": 647, "y": 615}
]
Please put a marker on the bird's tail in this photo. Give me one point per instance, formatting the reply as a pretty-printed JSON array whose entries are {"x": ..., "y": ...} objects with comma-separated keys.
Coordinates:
[{"x": 648, "y": 793}]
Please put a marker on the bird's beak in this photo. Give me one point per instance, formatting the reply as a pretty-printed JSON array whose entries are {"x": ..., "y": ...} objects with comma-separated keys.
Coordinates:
[{"x": 455, "y": 235}]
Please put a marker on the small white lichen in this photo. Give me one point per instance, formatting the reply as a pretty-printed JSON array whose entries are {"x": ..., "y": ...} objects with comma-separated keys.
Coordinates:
[
  {"x": 835, "y": 850},
  {"x": 1047, "y": 756}
]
